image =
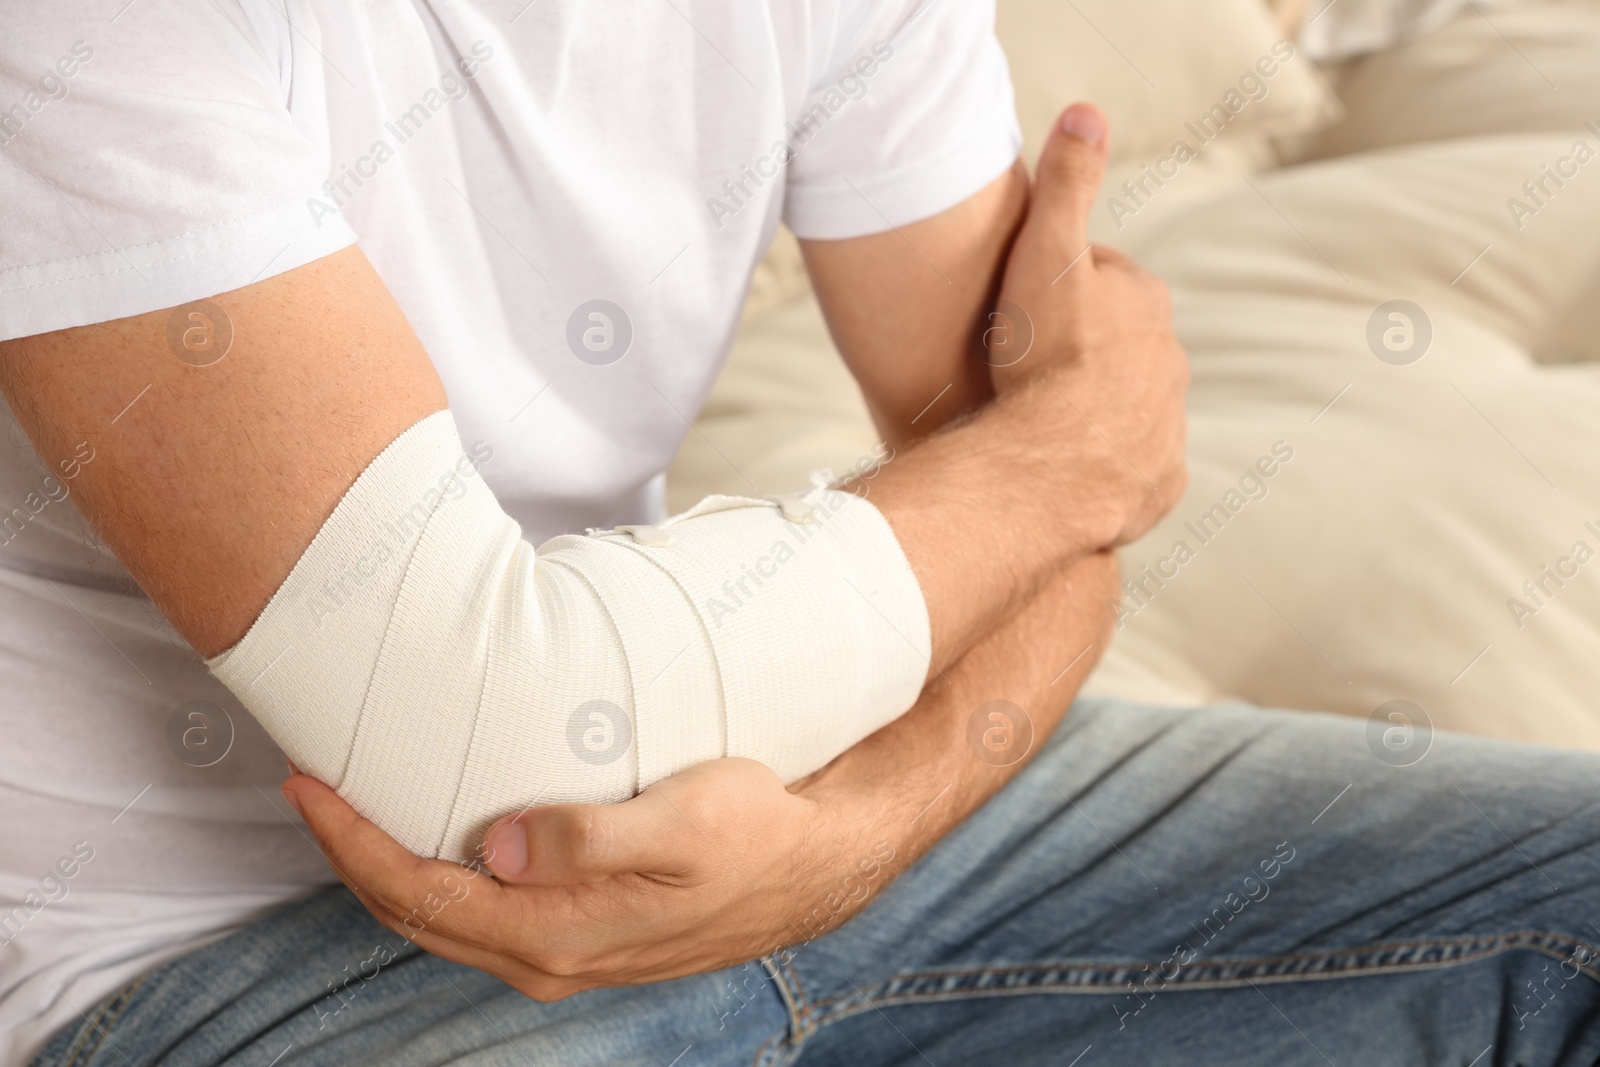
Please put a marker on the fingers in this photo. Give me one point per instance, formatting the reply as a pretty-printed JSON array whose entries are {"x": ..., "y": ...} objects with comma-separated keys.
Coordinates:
[
  {"x": 413, "y": 893},
  {"x": 352, "y": 844},
  {"x": 576, "y": 844},
  {"x": 496, "y": 959},
  {"x": 456, "y": 913},
  {"x": 1106, "y": 256},
  {"x": 1153, "y": 288},
  {"x": 1068, "y": 178},
  {"x": 665, "y": 833}
]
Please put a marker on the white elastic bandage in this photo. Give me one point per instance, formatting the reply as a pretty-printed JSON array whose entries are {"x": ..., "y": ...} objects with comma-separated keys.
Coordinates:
[{"x": 440, "y": 673}]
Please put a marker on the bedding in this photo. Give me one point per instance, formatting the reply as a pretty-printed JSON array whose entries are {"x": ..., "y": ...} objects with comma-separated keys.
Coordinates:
[
  {"x": 1429, "y": 539},
  {"x": 1342, "y": 29},
  {"x": 1535, "y": 66},
  {"x": 1430, "y": 527}
]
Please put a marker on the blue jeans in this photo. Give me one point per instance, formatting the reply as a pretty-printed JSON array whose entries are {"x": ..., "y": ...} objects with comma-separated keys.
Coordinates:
[{"x": 1160, "y": 886}]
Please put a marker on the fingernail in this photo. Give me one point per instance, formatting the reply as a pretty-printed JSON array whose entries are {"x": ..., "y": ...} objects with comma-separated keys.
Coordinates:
[
  {"x": 294, "y": 801},
  {"x": 507, "y": 846},
  {"x": 1085, "y": 123}
]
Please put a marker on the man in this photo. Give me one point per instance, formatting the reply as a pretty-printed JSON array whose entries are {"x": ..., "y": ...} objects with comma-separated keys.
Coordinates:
[{"x": 211, "y": 176}]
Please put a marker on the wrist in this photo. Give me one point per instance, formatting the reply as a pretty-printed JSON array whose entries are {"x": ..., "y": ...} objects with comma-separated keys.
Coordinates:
[
  {"x": 1011, "y": 378},
  {"x": 1084, "y": 485},
  {"x": 840, "y": 865}
]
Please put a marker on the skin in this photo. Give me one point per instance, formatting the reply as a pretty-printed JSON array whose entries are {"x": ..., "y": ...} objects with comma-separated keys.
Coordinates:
[
  {"x": 910, "y": 328},
  {"x": 212, "y": 483},
  {"x": 722, "y": 864},
  {"x": 217, "y": 478}
]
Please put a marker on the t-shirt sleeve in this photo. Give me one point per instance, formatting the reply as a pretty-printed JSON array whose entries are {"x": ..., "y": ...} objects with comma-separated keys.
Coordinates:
[
  {"x": 911, "y": 113},
  {"x": 157, "y": 162}
]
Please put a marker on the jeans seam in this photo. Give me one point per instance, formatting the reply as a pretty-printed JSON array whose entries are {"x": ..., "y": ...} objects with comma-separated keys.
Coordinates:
[
  {"x": 81, "y": 1052},
  {"x": 70, "y": 1057},
  {"x": 1108, "y": 979},
  {"x": 795, "y": 1004},
  {"x": 806, "y": 1009}
]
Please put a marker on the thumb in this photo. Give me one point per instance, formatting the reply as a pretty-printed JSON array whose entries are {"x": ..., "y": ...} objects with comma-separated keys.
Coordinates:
[
  {"x": 576, "y": 844},
  {"x": 1068, "y": 177}
]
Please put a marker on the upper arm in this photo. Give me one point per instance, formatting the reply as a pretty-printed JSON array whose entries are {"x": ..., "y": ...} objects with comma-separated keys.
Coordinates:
[
  {"x": 210, "y": 481},
  {"x": 905, "y": 191},
  {"x": 908, "y": 308},
  {"x": 151, "y": 176}
]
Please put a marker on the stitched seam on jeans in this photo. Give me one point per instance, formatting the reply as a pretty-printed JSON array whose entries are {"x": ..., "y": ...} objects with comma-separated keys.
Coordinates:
[
  {"x": 71, "y": 1055},
  {"x": 794, "y": 996},
  {"x": 768, "y": 1054},
  {"x": 1106, "y": 979},
  {"x": 774, "y": 1051},
  {"x": 121, "y": 1005},
  {"x": 797, "y": 999},
  {"x": 797, "y": 1008},
  {"x": 89, "y": 1028},
  {"x": 803, "y": 1024},
  {"x": 82, "y": 1053}
]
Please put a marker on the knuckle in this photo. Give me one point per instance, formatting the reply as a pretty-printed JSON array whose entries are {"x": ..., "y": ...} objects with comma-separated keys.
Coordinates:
[
  {"x": 543, "y": 990},
  {"x": 560, "y": 962},
  {"x": 1068, "y": 162},
  {"x": 386, "y": 904},
  {"x": 583, "y": 837},
  {"x": 1105, "y": 255},
  {"x": 1158, "y": 291},
  {"x": 699, "y": 807}
]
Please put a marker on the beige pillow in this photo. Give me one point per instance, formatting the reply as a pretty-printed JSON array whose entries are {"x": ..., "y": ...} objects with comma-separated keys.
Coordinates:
[
  {"x": 1533, "y": 67},
  {"x": 1405, "y": 549},
  {"x": 1387, "y": 554},
  {"x": 1380, "y": 560},
  {"x": 1165, "y": 71},
  {"x": 1158, "y": 68}
]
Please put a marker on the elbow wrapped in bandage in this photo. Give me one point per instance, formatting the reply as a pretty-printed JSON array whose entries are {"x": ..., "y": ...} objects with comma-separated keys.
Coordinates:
[{"x": 441, "y": 673}]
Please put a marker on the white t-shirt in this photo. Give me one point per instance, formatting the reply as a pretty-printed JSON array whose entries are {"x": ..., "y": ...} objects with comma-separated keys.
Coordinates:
[{"x": 566, "y": 197}]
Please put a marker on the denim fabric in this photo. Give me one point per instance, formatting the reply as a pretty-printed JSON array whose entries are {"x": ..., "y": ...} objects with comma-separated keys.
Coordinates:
[{"x": 1160, "y": 886}]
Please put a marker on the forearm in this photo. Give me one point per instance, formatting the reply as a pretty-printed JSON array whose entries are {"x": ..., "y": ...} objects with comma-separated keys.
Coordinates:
[
  {"x": 722, "y": 863},
  {"x": 1082, "y": 449},
  {"x": 912, "y": 331},
  {"x": 989, "y": 510},
  {"x": 910, "y": 783}
]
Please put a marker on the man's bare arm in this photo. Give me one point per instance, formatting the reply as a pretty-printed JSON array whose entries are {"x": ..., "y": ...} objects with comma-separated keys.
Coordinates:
[
  {"x": 907, "y": 308},
  {"x": 215, "y": 479},
  {"x": 1082, "y": 449},
  {"x": 209, "y": 482},
  {"x": 720, "y": 864}
]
